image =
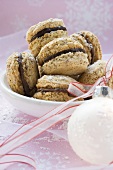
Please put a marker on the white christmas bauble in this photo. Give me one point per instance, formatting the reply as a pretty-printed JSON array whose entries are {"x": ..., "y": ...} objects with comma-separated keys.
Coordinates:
[{"x": 90, "y": 131}]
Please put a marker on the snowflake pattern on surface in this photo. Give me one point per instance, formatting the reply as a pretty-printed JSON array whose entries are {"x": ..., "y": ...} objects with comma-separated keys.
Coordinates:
[
  {"x": 48, "y": 154},
  {"x": 89, "y": 15},
  {"x": 36, "y": 3}
]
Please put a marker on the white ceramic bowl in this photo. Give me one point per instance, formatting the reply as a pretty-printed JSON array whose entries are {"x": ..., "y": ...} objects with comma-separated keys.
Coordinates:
[{"x": 31, "y": 106}]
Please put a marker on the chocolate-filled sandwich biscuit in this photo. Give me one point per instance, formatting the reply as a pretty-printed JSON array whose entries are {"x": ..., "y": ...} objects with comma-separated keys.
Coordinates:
[
  {"x": 22, "y": 73},
  {"x": 54, "y": 88},
  {"x": 63, "y": 56},
  {"x": 40, "y": 34},
  {"x": 90, "y": 43}
]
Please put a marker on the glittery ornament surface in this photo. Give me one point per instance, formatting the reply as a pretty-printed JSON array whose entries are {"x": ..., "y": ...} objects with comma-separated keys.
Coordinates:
[{"x": 90, "y": 131}]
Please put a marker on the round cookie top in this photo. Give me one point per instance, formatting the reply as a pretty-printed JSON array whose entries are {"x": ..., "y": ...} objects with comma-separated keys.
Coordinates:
[
  {"x": 57, "y": 47},
  {"x": 15, "y": 55},
  {"x": 56, "y": 81},
  {"x": 93, "y": 41},
  {"x": 50, "y": 23},
  {"x": 93, "y": 72}
]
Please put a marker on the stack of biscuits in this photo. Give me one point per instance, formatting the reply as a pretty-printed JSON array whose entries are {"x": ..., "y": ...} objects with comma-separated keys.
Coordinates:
[{"x": 54, "y": 61}]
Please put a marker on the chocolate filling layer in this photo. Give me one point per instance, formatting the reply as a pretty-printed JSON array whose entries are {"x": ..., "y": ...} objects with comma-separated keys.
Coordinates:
[
  {"x": 54, "y": 90},
  {"x": 26, "y": 88},
  {"x": 91, "y": 49},
  {"x": 62, "y": 52},
  {"x": 47, "y": 30}
]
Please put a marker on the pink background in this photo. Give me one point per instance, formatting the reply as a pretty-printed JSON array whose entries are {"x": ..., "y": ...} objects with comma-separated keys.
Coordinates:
[
  {"x": 93, "y": 15},
  {"x": 16, "y": 16}
]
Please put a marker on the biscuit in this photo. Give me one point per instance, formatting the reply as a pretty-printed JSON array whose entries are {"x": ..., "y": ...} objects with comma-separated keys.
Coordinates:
[
  {"x": 40, "y": 34},
  {"x": 22, "y": 73},
  {"x": 54, "y": 88},
  {"x": 63, "y": 56},
  {"x": 90, "y": 43},
  {"x": 93, "y": 72}
]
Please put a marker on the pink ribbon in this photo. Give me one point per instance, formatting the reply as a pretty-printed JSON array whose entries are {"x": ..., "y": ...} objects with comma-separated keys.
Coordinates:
[{"x": 12, "y": 158}]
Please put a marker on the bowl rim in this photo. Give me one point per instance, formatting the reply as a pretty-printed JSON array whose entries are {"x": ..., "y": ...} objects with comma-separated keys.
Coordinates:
[{"x": 4, "y": 85}]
